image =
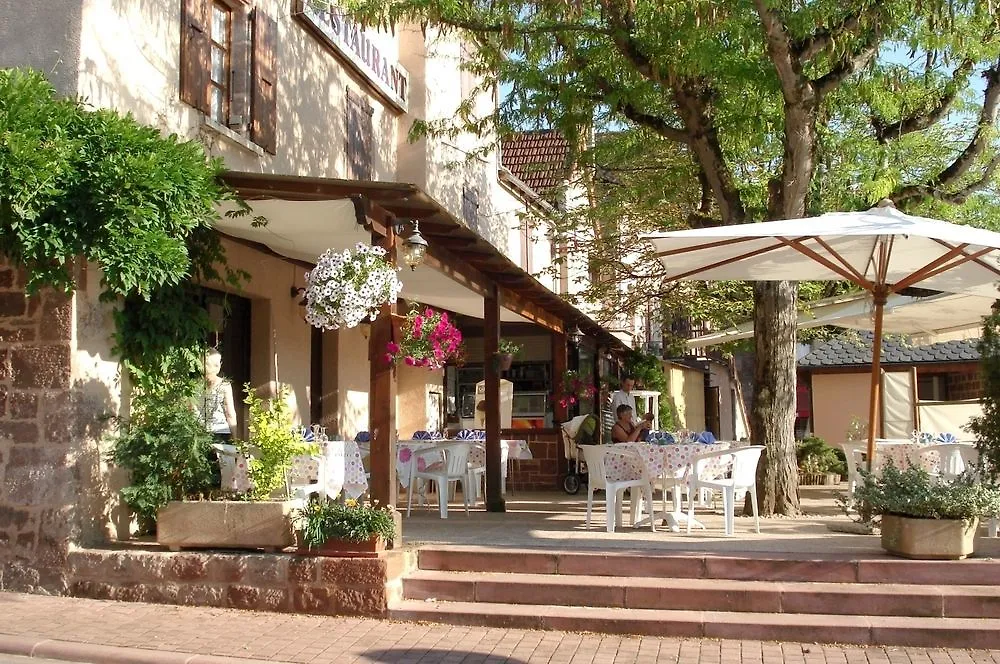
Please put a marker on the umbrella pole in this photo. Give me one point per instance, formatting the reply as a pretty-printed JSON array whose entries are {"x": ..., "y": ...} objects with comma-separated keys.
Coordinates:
[{"x": 880, "y": 295}]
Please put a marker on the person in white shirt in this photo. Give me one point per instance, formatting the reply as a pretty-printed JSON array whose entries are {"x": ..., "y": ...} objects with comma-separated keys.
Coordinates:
[{"x": 624, "y": 397}]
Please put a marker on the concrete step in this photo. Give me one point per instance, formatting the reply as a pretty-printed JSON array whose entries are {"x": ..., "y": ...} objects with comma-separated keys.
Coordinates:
[
  {"x": 705, "y": 594},
  {"x": 841, "y": 568},
  {"x": 804, "y": 628}
]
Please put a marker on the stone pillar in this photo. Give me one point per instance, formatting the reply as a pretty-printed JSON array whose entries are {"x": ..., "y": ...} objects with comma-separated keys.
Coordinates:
[{"x": 40, "y": 437}]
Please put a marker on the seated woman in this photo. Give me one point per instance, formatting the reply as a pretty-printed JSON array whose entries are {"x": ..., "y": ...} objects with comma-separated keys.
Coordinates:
[{"x": 625, "y": 430}]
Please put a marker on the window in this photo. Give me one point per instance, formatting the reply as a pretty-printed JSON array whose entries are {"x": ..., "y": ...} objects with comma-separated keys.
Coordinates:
[
  {"x": 468, "y": 77},
  {"x": 359, "y": 137},
  {"x": 228, "y": 67},
  {"x": 932, "y": 387},
  {"x": 470, "y": 206},
  {"x": 222, "y": 47}
]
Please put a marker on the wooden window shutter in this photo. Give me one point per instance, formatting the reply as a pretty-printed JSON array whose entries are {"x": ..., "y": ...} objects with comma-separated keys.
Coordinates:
[
  {"x": 264, "y": 82},
  {"x": 196, "y": 53}
]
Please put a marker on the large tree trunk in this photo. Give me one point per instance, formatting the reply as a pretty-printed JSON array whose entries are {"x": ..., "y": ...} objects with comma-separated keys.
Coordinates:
[{"x": 772, "y": 417}]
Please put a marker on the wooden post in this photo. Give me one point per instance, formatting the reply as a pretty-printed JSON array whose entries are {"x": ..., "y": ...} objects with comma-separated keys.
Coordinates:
[
  {"x": 491, "y": 344},
  {"x": 880, "y": 296},
  {"x": 559, "y": 413},
  {"x": 382, "y": 395}
]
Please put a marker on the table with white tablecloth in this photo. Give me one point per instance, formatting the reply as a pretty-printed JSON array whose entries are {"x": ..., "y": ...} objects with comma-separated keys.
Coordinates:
[
  {"x": 343, "y": 469},
  {"x": 516, "y": 449}
]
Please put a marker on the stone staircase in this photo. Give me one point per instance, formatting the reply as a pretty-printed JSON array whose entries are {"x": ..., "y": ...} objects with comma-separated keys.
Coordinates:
[{"x": 781, "y": 597}]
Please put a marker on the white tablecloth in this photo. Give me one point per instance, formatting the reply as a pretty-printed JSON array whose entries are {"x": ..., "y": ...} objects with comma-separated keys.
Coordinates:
[
  {"x": 516, "y": 449},
  {"x": 344, "y": 468}
]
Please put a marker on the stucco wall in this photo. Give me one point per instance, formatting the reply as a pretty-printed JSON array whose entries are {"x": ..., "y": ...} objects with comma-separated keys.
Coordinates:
[
  {"x": 415, "y": 409},
  {"x": 43, "y": 36},
  {"x": 687, "y": 388},
  {"x": 129, "y": 60},
  {"x": 836, "y": 400},
  {"x": 353, "y": 379}
]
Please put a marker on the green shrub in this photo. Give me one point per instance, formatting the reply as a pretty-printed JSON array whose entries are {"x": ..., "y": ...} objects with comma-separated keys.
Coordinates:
[
  {"x": 816, "y": 457},
  {"x": 274, "y": 441},
  {"x": 352, "y": 521},
  {"x": 914, "y": 493},
  {"x": 166, "y": 450}
]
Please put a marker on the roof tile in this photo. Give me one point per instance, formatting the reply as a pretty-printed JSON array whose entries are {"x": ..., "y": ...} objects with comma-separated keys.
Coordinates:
[
  {"x": 540, "y": 159},
  {"x": 856, "y": 350}
]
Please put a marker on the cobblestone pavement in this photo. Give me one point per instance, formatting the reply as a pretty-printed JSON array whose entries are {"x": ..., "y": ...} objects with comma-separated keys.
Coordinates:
[{"x": 281, "y": 637}]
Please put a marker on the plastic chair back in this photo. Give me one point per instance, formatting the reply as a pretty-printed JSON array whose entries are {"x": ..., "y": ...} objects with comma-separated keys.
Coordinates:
[
  {"x": 745, "y": 462},
  {"x": 593, "y": 455},
  {"x": 457, "y": 459},
  {"x": 420, "y": 434},
  {"x": 363, "y": 437}
]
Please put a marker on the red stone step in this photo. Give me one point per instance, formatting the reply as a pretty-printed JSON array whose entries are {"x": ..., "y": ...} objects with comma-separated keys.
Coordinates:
[
  {"x": 808, "y": 628},
  {"x": 839, "y": 568},
  {"x": 705, "y": 594}
]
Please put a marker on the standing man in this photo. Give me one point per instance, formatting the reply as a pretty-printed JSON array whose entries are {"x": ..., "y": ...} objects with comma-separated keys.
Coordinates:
[{"x": 624, "y": 397}]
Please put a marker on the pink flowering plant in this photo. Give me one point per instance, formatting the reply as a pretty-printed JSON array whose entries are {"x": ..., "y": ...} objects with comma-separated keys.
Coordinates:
[
  {"x": 429, "y": 339},
  {"x": 574, "y": 388}
]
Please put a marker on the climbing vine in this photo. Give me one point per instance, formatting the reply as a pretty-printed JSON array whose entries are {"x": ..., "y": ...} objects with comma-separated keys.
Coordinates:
[{"x": 81, "y": 183}]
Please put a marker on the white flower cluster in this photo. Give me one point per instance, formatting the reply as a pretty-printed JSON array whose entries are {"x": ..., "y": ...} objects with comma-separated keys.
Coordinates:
[{"x": 346, "y": 287}]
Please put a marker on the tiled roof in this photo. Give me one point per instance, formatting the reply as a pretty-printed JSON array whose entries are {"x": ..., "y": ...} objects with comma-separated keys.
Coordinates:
[
  {"x": 537, "y": 158},
  {"x": 856, "y": 350}
]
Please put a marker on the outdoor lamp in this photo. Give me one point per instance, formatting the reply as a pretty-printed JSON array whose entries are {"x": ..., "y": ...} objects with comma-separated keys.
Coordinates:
[
  {"x": 414, "y": 247},
  {"x": 575, "y": 335}
]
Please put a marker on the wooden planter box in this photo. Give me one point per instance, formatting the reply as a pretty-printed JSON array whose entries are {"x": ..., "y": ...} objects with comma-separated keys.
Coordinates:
[
  {"x": 928, "y": 539},
  {"x": 227, "y": 525},
  {"x": 336, "y": 548}
]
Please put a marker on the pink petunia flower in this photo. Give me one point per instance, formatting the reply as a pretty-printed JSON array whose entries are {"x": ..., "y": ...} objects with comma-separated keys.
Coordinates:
[{"x": 392, "y": 347}]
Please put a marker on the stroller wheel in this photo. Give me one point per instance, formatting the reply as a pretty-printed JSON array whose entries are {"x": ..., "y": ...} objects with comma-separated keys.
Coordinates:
[{"x": 571, "y": 484}]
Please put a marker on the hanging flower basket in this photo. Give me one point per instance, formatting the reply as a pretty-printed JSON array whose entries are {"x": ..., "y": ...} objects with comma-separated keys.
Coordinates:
[
  {"x": 427, "y": 339},
  {"x": 346, "y": 288},
  {"x": 574, "y": 388}
]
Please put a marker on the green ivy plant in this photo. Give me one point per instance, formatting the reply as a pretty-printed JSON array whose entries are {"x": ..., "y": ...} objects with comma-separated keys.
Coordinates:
[
  {"x": 986, "y": 427},
  {"x": 274, "y": 441},
  {"x": 352, "y": 521},
  {"x": 166, "y": 450}
]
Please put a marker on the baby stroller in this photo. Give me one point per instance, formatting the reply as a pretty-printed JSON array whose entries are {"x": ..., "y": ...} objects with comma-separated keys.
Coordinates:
[{"x": 581, "y": 430}]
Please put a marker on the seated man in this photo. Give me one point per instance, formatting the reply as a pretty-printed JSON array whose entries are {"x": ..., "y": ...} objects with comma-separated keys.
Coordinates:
[{"x": 624, "y": 431}]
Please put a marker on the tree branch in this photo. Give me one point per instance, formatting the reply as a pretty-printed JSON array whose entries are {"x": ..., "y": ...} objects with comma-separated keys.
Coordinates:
[
  {"x": 849, "y": 64},
  {"x": 919, "y": 121},
  {"x": 808, "y": 48},
  {"x": 973, "y": 152}
]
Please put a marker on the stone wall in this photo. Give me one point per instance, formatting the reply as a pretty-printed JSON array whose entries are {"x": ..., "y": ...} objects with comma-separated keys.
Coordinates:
[
  {"x": 38, "y": 450},
  {"x": 264, "y": 582}
]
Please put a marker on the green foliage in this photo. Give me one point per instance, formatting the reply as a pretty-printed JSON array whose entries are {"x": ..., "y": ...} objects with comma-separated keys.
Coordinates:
[
  {"x": 815, "y": 456},
  {"x": 986, "y": 427},
  {"x": 166, "y": 449},
  {"x": 76, "y": 182},
  {"x": 352, "y": 521},
  {"x": 649, "y": 375},
  {"x": 914, "y": 493},
  {"x": 273, "y": 442},
  {"x": 508, "y": 347}
]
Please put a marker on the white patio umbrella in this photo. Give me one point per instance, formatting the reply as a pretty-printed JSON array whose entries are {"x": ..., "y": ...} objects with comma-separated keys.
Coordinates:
[{"x": 883, "y": 251}]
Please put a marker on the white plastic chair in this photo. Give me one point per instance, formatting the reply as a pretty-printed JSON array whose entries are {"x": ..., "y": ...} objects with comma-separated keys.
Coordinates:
[
  {"x": 950, "y": 462},
  {"x": 233, "y": 468},
  {"x": 614, "y": 490},
  {"x": 299, "y": 480},
  {"x": 743, "y": 476},
  {"x": 454, "y": 469},
  {"x": 478, "y": 472},
  {"x": 855, "y": 461}
]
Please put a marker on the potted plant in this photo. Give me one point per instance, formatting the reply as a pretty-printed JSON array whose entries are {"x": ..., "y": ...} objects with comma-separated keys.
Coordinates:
[
  {"x": 818, "y": 462},
  {"x": 346, "y": 288},
  {"x": 350, "y": 529},
  {"x": 924, "y": 517},
  {"x": 428, "y": 339},
  {"x": 263, "y": 520},
  {"x": 505, "y": 354}
]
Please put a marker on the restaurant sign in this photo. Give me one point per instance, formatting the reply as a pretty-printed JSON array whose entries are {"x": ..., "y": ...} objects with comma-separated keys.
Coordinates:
[{"x": 359, "y": 46}]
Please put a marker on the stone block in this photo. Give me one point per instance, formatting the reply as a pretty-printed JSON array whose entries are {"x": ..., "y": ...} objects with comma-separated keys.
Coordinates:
[
  {"x": 354, "y": 572},
  {"x": 38, "y": 475},
  {"x": 40, "y": 366},
  {"x": 201, "y": 595},
  {"x": 187, "y": 567},
  {"x": 315, "y": 600},
  {"x": 3, "y": 401},
  {"x": 4, "y": 364},
  {"x": 243, "y": 597},
  {"x": 131, "y": 592},
  {"x": 92, "y": 589},
  {"x": 15, "y": 518},
  {"x": 225, "y": 568},
  {"x": 20, "y": 432},
  {"x": 7, "y": 277},
  {"x": 227, "y": 525},
  {"x": 266, "y": 570},
  {"x": 23, "y": 406},
  {"x": 13, "y": 303},
  {"x": 303, "y": 569},
  {"x": 361, "y": 602},
  {"x": 57, "y": 314},
  {"x": 18, "y": 576},
  {"x": 20, "y": 334}
]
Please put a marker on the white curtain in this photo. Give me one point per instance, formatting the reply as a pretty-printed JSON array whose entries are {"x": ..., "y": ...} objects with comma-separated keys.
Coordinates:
[
  {"x": 948, "y": 416},
  {"x": 897, "y": 404}
]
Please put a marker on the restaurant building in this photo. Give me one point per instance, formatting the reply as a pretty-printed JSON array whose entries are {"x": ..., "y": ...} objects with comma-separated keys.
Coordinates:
[{"x": 310, "y": 113}]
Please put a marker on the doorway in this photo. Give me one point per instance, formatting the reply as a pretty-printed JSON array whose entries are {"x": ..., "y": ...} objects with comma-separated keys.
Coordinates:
[{"x": 230, "y": 316}]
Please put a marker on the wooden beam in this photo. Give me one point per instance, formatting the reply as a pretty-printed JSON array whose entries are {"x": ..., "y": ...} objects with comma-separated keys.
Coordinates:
[
  {"x": 536, "y": 314},
  {"x": 559, "y": 363},
  {"x": 456, "y": 269},
  {"x": 928, "y": 270},
  {"x": 848, "y": 274},
  {"x": 494, "y": 458},
  {"x": 382, "y": 395}
]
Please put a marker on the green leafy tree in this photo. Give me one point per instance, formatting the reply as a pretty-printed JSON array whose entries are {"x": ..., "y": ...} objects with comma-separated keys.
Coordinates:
[
  {"x": 986, "y": 427},
  {"x": 274, "y": 441},
  {"x": 752, "y": 111}
]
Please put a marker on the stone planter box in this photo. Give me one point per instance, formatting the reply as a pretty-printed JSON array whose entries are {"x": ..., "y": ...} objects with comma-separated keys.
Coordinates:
[
  {"x": 227, "y": 525},
  {"x": 928, "y": 539}
]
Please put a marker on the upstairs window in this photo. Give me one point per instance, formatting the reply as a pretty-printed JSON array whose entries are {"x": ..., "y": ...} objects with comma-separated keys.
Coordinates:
[
  {"x": 470, "y": 206},
  {"x": 228, "y": 67},
  {"x": 359, "y": 137}
]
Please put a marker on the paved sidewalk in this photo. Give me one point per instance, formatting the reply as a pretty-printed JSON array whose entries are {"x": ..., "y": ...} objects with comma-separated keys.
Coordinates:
[{"x": 179, "y": 632}]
